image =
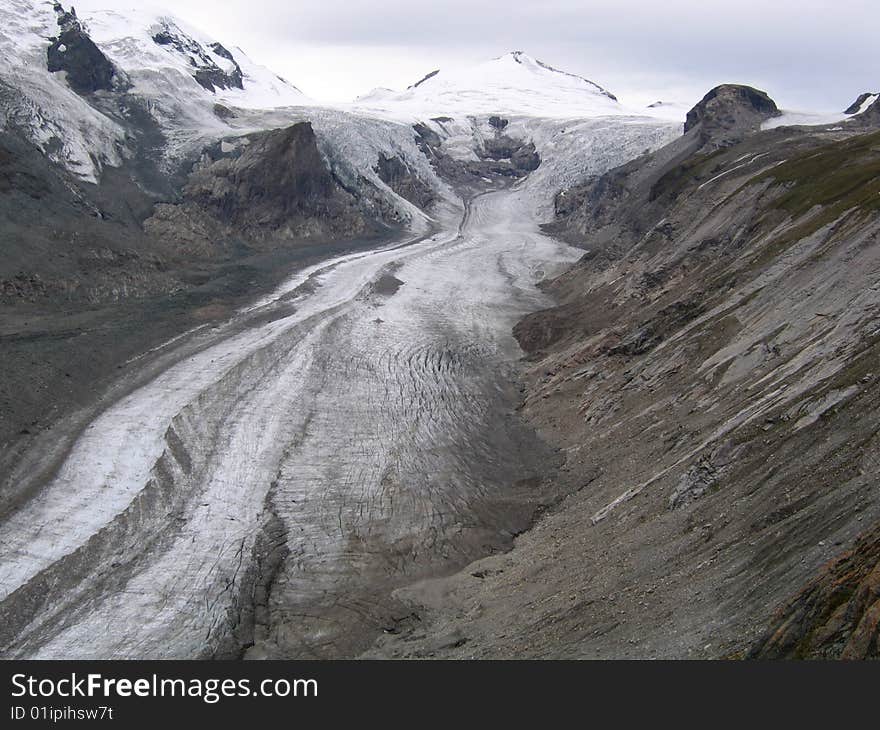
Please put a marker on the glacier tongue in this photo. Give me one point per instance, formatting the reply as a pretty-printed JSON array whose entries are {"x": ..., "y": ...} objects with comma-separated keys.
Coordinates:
[{"x": 368, "y": 423}]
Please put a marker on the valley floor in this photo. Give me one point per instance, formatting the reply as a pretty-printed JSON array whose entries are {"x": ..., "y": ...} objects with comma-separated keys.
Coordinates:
[{"x": 275, "y": 477}]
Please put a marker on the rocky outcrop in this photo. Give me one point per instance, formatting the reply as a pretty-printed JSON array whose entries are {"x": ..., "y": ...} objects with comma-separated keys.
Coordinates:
[
  {"x": 856, "y": 106},
  {"x": 402, "y": 180},
  {"x": 500, "y": 156},
  {"x": 522, "y": 155},
  {"x": 730, "y": 112},
  {"x": 629, "y": 200},
  {"x": 837, "y": 616},
  {"x": 271, "y": 188},
  {"x": 276, "y": 176},
  {"x": 72, "y": 51},
  {"x": 871, "y": 116},
  {"x": 424, "y": 78},
  {"x": 205, "y": 70},
  {"x": 666, "y": 321}
]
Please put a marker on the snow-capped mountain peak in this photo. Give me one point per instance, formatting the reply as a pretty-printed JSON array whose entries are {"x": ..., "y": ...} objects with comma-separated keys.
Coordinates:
[
  {"x": 539, "y": 67},
  {"x": 71, "y": 79},
  {"x": 145, "y": 43},
  {"x": 514, "y": 83}
]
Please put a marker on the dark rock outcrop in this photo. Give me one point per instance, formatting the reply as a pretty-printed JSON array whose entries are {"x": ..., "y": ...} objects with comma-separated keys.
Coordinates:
[
  {"x": 871, "y": 116},
  {"x": 424, "y": 78},
  {"x": 627, "y": 201},
  {"x": 72, "y": 51},
  {"x": 730, "y": 112},
  {"x": 280, "y": 175},
  {"x": 205, "y": 71},
  {"x": 651, "y": 333},
  {"x": 857, "y": 104},
  {"x": 837, "y": 616},
  {"x": 403, "y": 181},
  {"x": 500, "y": 157},
  {"x": 274, "y": 188},
  {"x": 427, "y": 139},
  {"x": 506, "y": 148}
]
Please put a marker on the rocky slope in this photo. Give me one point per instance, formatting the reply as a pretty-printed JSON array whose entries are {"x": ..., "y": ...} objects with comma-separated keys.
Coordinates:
[
  {"x": 710, "y": 375},
  {"x": 268, "y": 188}
]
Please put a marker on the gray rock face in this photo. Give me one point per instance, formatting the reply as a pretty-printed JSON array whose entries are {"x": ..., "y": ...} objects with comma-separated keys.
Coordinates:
[
  {"x": 835, "y": 615},
  {"x": 649, "y": 334},
  {"x": 280, "y": 175},
  {"x": 521, "y": 154},
  {"x": 425, "y": 78},
  {"x": 730, "y": 111},
  {"x": 274, "y": 187},
  {"x": 727, "y": 116},
  {"x": 706, "y": 360},
  {"x": 500, "y": 156},
  {"x": 403, "y": 181},
  {"x": 72, "y": 51}
]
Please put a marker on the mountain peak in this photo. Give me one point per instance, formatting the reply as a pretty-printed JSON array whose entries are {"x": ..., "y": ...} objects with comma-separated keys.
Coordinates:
[
  {"x": 864, "y": 102},
  {"x": 729, "y": 110},
  {"x": 513, "y": 83},
  {"x": 517, "y": 56},
  {"x": 530, "y": 62}
]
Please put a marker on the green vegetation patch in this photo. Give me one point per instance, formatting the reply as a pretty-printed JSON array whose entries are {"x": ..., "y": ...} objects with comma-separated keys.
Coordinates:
[
  {"x": 833, "y": 179},
  {"x": 840, "y": 176}
]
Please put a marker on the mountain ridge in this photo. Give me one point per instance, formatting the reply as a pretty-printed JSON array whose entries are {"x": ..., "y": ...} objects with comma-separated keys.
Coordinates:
[{"x": 513, "y": 83}]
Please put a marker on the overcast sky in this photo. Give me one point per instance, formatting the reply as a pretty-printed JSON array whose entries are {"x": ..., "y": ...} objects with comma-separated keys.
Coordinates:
[{"x": 807, "y": 54}]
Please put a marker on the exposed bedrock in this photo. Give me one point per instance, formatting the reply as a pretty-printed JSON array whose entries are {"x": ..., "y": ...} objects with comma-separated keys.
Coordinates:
[
  {"x": 205, "y": 70},
  {"x": 836, "y": 616},
  {"x": 731, "y": 111},
  {"x": 405, "y": 182},
  {"x": 270, "y": 188},
  {"x": 72, "y": 51},
  {"x": 500, "y": 158},
  {"x": 856, "y": 106}
]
